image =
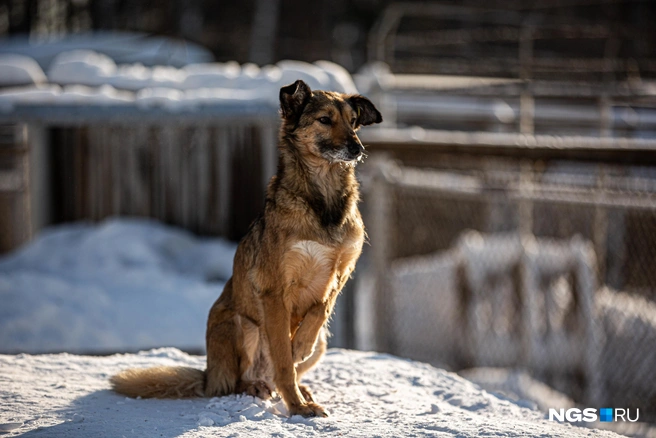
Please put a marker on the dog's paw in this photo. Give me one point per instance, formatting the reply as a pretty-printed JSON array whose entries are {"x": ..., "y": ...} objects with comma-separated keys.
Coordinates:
[
  {"x": 310, "y": 409},
  {"x": 307, "y": 394},
  {"x": 256, "y": 388}
]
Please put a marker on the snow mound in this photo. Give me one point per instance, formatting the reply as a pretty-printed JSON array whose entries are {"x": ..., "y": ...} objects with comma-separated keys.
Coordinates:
[
  {"x": 86, "y": 67},
  {"x": 313, "y": 75},
  {"x": 121, "y": 285},
  {"x": 81, "y": 67},
  {"x": 85, "y": 77},
  {"x": 367, "y": 394},
  {"x": 229, "y": 75},
  {"x": 340, "y": 78},
  {"x": 20, "y": 70}
]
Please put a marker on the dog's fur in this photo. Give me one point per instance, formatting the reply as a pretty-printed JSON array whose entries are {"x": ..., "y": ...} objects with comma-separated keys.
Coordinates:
[{"x": 268, "y": 326}]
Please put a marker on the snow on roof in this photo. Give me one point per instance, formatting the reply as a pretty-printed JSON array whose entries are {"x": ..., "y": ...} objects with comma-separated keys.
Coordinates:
[
  {"x": 167, "y": 87},
  {"x": 90, "y": 68},
  {"x": 367, "y": 394},
  {"x": 50, "y": 94},
  {"x": 20, "y": 70},
  {"x": 340, "y": 78}
]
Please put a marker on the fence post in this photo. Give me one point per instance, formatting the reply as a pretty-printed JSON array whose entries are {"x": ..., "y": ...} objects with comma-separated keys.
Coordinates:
[
  {"x": 525, "y": 207},
  {"x": 586, "y": 288},
  {"x": 600, "y": 224},
  {"x": 380, "y": 237},
  {"x": 530, "y": 290}
]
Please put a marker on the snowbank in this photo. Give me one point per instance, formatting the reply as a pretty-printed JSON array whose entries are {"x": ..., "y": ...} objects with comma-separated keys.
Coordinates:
[
  {"x": 121, "y": 285},
  {"x": 367, "y": 395}
]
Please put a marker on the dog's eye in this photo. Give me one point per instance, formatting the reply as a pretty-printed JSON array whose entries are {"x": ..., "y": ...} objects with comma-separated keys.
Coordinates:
[
  {"x": 353, "y": 121},
  {"x": 325, "y": 120}
]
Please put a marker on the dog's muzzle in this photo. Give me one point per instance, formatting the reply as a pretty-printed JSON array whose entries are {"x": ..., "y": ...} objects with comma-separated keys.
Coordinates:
[{"x": 355, "y": 149}]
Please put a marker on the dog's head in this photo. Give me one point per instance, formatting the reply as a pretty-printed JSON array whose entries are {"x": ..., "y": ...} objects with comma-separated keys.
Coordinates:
[{"x": 324, "y": 123}]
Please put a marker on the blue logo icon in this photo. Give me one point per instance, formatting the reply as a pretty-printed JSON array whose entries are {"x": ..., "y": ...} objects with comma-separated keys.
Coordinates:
[{"x": 606, "y": 414}]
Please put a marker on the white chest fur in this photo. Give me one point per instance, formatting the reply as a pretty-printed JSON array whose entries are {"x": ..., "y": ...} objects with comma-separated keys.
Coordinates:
[{"x": 309, "y": 272}]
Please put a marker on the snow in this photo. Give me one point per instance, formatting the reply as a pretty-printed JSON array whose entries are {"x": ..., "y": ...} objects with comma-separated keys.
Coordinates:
[
  {"x": 55, "y": 95},
  {"x": 20, "y": 70},
  {"x": 127, "y": 284},
  {"x": 89, "y": 68},
  {"x": 314, "y": 76},
  {"x": 367, "y": 394},
  {"x": 340, "y": 78},
  {"x": 202, "y": 96},
  {"x": 164, "y": 97},
  {"x": 81, "y": 67},
  {"x": 85, "y": 77},
  {"x": 519, "y": 386},
  {"x": 118, "y": 286},
  {"x": 27, "y": 95}
]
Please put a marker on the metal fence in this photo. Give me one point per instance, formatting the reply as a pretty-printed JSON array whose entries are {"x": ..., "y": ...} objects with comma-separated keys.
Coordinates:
[{"x": 547, "y": 265}]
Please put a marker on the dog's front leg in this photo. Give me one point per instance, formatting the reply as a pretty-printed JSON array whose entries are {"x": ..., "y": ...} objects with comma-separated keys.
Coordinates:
[
  {"x": 276, "y": 323},
  {"x": 306, "y": 336}
]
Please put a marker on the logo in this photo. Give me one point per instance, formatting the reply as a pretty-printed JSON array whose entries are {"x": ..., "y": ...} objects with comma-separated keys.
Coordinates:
[
  {"x": 590, "y": 415},
  {"x": 606, "y": 414}
]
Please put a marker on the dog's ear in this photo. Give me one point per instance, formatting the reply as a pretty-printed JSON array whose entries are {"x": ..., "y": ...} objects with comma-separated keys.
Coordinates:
[
  {"x": 293, "y": 99},
  {"x": 367, "y": 112}
]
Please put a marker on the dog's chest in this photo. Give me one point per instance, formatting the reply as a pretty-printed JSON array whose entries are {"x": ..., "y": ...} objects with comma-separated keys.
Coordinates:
[{"x": 312, "y": 270}]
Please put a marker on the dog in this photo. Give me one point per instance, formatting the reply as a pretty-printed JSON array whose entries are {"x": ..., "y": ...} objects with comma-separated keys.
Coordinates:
[{"x": 268, "y": 327}]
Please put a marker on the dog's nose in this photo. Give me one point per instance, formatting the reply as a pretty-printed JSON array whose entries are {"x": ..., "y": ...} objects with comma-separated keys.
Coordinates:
[{"x": 355, "y": 149}]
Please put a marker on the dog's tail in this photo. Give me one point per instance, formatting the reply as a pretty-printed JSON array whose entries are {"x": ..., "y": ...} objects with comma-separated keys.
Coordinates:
[{"x": 160, "y": 382}]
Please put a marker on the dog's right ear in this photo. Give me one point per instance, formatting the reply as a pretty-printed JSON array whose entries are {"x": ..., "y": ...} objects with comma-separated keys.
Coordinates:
[{"x": 293, "y": 99}]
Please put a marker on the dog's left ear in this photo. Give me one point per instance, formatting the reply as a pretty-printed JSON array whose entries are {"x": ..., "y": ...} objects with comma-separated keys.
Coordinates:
[
  {"x": 293, "y": 99},
  {"x": 367, "y": 112}
]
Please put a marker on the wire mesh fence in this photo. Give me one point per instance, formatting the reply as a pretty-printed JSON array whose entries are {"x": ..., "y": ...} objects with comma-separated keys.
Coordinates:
[{"x": 546, "y": 267}]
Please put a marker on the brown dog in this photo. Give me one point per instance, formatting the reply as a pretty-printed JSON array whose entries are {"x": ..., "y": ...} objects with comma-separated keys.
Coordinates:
[{"x": 268, "y": 326}]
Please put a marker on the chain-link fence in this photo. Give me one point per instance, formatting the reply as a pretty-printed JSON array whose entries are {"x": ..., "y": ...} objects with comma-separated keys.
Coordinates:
[{"x": 549, "y": 267}]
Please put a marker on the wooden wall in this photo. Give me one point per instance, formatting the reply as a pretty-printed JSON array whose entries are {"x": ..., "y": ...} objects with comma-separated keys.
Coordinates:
[{"x": 209, "y": 179}]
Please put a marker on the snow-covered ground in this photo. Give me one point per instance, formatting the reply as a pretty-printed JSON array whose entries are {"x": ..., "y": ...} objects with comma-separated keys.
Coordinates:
[
  {"x": 123, "y": 285},
  {"x": 367, "y": 394},
  {"x": 130, "y": 284}
]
